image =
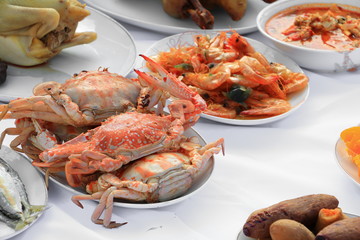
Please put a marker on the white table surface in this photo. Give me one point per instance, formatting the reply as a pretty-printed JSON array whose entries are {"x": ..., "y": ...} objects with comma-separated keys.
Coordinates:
[{"x": 263, "y": 165}]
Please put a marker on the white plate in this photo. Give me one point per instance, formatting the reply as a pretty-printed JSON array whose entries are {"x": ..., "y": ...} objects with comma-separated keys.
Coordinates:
[
  {"x": 149, "y": 14},
  {"x": 345, "y": 161},
  {"x": 114, "y": 48},
  {"x": 34, "y": 185},
  {"x": 241, "y": 235},
  {"x": 296, "y": 99},
  {"x": 199, "y": 183}
]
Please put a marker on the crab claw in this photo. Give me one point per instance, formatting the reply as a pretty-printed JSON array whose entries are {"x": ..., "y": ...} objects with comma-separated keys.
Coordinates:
[{"x": 170, "y": 83}]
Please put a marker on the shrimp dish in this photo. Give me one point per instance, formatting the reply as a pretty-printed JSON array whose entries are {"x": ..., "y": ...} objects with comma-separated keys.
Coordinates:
[{"x": 236, "y": 81}]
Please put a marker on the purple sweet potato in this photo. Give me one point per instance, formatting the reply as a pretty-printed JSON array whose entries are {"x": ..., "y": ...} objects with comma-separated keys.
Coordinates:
[{"x": 303, "y": 209}]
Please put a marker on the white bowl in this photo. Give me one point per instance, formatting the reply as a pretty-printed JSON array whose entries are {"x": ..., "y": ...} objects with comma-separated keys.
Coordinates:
[{"x": 314, "y": 59}]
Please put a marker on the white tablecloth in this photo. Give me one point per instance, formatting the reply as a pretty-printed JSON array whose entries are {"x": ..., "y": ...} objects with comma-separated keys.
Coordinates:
[{"x": 263, "y": 165}]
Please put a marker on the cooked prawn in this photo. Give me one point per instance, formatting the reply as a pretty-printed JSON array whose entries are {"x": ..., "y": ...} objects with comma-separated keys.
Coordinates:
[
  {"x": 232, "y": 76},
  {"x": 267, "y": 107}
]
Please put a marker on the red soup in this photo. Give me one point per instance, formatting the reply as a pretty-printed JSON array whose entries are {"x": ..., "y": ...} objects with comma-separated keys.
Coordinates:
[{"x": 317, "y": 26}]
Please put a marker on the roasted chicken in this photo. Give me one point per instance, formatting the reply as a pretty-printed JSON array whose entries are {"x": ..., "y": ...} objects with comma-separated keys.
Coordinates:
[{"x": 33, "y": 31}]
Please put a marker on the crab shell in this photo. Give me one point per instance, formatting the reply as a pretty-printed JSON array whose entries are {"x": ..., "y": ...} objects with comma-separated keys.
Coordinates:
[
  {"x": 33, "y": 31},
  {"x": 165, "y": 168}
]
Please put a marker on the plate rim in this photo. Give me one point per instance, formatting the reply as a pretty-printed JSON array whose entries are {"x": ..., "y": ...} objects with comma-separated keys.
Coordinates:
[
  {"x": 131, "y": 38},
  {"x": 163, "y": 28},
  {"x": 247, "y": 122},
  {"x": 190, "y": 192},
  {"x": 340, "y": 146},
  {"x": 21, "y": 159}
]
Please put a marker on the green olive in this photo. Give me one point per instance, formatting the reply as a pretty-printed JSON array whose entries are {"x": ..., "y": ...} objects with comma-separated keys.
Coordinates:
[{"x": 239, "y": 93}]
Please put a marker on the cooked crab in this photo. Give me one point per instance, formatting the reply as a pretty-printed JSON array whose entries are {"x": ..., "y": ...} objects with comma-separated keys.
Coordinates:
[
  {"x": 128, "y": 136},
  {"x": 33, "y": 31},
  {"x": 86, "y": 99},
  {"x": 58, "y": 112},
  {"x": 153, "y": 178}
]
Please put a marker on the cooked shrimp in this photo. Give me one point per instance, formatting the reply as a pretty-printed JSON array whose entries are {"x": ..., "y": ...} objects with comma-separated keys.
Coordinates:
[
  {"x": 219, "y": 110},
  {"x": 253, "y": 70},
  {"x": 291, "y": 81},
  {"x": 206, "y": 81},
  {"x": 232, "y": 76},
  {"x": 267, "y": 107}
]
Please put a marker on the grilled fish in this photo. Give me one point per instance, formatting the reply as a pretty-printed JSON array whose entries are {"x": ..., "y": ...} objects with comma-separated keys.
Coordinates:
[{"x": 15, "y": 208}]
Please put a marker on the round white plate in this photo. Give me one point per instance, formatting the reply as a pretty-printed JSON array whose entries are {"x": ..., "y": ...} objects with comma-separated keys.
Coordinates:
[
  {"x": 114, "y": 48},
  {"x": 34, "y": 185},
  {"x": 296, "y": 99},
  {"x": 345, "y": 162},
  {"x": 149, "y": 14},
  {"x": 199, "y": 183}
]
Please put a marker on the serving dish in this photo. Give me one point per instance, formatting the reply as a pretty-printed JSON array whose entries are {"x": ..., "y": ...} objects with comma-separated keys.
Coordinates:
[
  {"x": 183, "y": 39},
  {"x": 155, "y": 19},
  {"x": 314, "y": 59},
  {"x": 345, "y": 162},
  {"x": 241, "y": 235},
  {"x": 113, "y": 49},
  {"x": 199, "y": 182},
  {"x": 34, "y": 184}
]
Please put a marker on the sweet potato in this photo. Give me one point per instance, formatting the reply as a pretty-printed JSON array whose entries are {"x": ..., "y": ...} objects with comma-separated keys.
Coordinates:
[
  {"x": 284, "y": 229},
  {"x": 303, "y": 209},
  {"x": 327, "y": 217},
  {"x": 346, "y": 229}
]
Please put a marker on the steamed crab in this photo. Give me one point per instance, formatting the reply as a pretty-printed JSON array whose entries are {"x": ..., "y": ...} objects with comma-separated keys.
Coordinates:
[
  {"x": 128, "y": 136},
  {"x": 153, "y": 178},
  {"x": 86, "y": 99},
  {"x": 58, "y": 112},
  {"x": 33, "y": 31}
]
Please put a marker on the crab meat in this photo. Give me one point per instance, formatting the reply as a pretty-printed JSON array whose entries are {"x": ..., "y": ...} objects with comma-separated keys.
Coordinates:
[
  {"x": 157, "y": 177},
  {"x": 128, "y": 136},
  {"x": 32, "y": 32}
]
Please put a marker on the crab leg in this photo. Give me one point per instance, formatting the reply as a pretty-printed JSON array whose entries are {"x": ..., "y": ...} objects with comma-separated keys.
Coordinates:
[
  {"x": 171, "y": 84},
  {"x": 39, "y": 107},
  {"x": 23, "y": 135}
]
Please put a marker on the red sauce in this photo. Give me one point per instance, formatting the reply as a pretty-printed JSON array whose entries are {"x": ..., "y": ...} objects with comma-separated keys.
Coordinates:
[{"x": 286, "y": 24}]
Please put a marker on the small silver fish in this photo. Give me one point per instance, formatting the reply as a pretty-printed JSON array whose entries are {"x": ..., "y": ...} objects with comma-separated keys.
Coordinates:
[{"x": 15, "y": 208}]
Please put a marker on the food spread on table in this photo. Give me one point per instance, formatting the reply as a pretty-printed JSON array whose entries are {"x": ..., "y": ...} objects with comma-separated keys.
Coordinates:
[
  {"x": 236, "y": 81},
  {"x": 95, "y": 151},
  {"x": 316, "y": 26},
  {"x": 110, "y": 136}
]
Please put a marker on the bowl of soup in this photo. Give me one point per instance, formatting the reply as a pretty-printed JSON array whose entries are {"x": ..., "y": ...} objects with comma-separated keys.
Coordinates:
[{"x": 318, "y": 35}]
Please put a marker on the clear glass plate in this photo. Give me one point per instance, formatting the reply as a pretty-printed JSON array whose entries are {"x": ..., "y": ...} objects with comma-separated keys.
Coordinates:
[{"x": 345, "y": 162}]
